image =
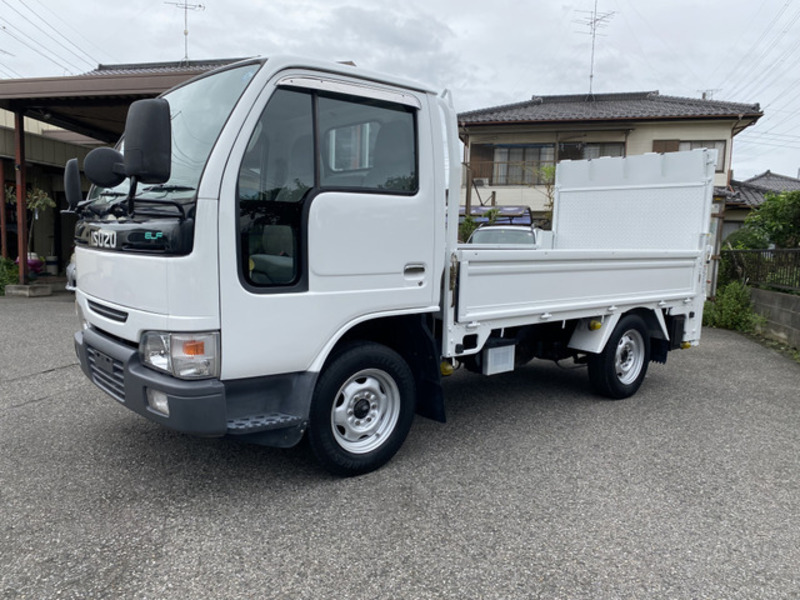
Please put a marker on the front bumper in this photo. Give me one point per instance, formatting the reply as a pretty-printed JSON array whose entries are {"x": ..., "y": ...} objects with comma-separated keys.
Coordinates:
[{"x": 270, "y": 410}]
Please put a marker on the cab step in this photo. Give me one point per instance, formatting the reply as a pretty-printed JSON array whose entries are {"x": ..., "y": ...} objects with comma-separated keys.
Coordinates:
[{"x": 262, "y": 422}]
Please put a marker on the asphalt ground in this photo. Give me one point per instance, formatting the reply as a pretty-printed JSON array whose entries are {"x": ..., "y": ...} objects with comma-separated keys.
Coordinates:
[{"x": 534, "y": 488}]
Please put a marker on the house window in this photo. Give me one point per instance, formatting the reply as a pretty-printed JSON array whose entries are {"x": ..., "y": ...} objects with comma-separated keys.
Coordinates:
[
  {"x": 582, "y": 151},
  {"x": 521, "y": 165},
  {"x": 719, "y": 146},
  {"x": 661, "y": 146}
]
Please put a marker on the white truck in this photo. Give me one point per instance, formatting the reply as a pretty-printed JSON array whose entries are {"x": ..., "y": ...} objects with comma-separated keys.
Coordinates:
[{"x": 271, "y": 252}]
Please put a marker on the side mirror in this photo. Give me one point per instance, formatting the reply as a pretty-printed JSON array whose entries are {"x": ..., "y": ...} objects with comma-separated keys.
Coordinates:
[
  {"x": 104, "y": 167},
  {"x": 72, "y": 184},
  {"x": 148, "y": 141}
]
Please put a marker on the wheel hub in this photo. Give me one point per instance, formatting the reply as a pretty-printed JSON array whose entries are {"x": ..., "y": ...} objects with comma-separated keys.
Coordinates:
[
  {"x": 629, "y": 356},
  {"x": 365, "y": 411},
  {"x": 361, "y": 408}
]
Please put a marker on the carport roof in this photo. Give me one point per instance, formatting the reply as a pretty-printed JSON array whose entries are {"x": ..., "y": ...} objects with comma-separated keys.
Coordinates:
[{"x": 96, "y": 103}]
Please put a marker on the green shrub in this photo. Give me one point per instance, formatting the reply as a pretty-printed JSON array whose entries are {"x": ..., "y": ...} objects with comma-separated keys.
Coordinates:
[
  {"x": 9, "y": 274},
  {"x": 732, "y": 309},
  {"x": 746, "y": 238}
]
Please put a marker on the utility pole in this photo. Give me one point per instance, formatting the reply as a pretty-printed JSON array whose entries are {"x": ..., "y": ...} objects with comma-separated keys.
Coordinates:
[
  {"x": 186, "y": 8},
  {"x": 595, "y": 21}
]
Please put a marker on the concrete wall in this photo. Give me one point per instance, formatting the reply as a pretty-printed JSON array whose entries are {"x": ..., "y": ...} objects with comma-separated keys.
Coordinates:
[{"x": 782, "y": 312}]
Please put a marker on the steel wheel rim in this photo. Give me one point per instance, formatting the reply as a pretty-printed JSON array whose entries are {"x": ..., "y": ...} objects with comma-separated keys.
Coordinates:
[
  {"x": 365, "y": 411},
  {"x": 629, "y": 358}
]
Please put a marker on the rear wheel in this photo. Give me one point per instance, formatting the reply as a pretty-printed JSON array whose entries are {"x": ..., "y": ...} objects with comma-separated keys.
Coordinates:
[
  {"x": 362, "y": 409},
  {"x": 618, "y": 371}
]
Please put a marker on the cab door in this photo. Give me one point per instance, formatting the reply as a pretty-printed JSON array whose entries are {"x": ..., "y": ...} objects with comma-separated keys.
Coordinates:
[{"x": 327, "y": 218}]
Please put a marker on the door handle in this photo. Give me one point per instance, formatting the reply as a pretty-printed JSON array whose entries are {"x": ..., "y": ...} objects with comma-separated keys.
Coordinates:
[{"x": 414, "y": 271}]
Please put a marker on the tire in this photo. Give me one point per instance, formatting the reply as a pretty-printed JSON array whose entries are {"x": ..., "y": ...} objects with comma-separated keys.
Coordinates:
[
  {"x": 619, "y": 370},
  {"x": 362, "y": 409}
]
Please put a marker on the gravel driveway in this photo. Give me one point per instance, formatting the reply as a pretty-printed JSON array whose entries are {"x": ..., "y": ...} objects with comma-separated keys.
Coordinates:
[{"x": 533, "y": 489}]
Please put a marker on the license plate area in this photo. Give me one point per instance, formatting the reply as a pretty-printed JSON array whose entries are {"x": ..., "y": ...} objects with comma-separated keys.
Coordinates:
[{"x": 107, "y": 373}]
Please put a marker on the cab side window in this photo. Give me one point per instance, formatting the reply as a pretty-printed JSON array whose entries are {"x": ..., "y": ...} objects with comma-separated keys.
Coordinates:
[
  {"x": 359, "y": 145},
  {"x": 276, "y": 173},
  {"x": 367, "y": 144}
]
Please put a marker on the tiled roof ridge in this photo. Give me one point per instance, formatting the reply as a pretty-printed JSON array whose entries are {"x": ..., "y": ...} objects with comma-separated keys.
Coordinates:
[
  {"x": 166, "y": 66},
  {"x": 625, "y": 104},
  {"x": 756, "y": 107},
  {"x": 746, "y": 184},
  {"x": 769, "y": 173},
  {"x": 535, "y": 100}
]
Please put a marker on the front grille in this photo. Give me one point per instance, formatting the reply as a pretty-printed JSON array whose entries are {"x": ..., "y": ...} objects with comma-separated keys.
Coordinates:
[
  {"x": 110, "y": 313},
  {"x": 107, "y": 373}
]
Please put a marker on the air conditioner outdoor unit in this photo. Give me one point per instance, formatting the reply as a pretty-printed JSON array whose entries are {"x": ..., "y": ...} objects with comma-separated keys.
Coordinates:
[{"x": 480, "y": 182}]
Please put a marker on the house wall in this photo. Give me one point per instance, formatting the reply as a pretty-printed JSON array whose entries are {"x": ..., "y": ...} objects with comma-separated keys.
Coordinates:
[
  {"x": 734, "y": 219},
  {"x": 531, "y": 195},
  {"x": 638, "y": 138},
  {"x": 41, "y": 150}
]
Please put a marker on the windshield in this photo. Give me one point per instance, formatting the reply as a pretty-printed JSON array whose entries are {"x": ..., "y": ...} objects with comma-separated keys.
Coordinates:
[
  {"x": 502, "y": 236},
  {"x": 198, "y": 112}
]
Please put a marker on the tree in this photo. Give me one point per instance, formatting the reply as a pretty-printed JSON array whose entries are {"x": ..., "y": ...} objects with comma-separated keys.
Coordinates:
[
  {"x": 778, "y": 219},
  {"x": 746, "y": 238},
  {"x": 548, "y": 175}
]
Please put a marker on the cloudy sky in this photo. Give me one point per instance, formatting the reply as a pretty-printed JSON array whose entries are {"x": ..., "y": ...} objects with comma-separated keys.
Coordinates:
[{"x": 488, "y": 53}]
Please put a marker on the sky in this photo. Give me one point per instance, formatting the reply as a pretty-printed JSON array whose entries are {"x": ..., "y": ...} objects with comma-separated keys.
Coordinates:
[{"x": 486, "y": 53}]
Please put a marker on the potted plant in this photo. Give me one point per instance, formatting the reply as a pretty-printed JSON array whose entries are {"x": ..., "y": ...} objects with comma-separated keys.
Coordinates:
[{"x": 36, "y": 199}]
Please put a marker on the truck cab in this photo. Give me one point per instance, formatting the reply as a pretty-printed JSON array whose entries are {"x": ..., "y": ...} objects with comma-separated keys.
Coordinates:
[{"x": 215, "y": 286}]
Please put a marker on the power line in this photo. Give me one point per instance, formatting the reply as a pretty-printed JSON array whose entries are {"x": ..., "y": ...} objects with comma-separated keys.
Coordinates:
[
  {"x": 8, "y": 71},
  {"x": 76, "y": 31},
  {"x": 769, "y": 144},
  {"x": 749, "y": 80},
  {"x": 39, "y": 29},
  {"x": 748, "y": 54},
  {"x": 88, "y": 58},
  {"x": 657, "y": 34},
  {"x": 30, "y": 47}
]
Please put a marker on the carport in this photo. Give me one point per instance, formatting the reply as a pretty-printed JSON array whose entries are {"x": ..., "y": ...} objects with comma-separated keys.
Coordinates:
[{"x": 94, "y": 104}]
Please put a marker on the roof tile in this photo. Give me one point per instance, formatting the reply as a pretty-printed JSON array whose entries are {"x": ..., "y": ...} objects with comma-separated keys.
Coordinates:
[{"x": 601, "y": 107}]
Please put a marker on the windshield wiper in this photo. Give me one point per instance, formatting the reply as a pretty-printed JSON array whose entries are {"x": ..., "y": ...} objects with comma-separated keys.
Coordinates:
[{"x": 169, "y": 188}]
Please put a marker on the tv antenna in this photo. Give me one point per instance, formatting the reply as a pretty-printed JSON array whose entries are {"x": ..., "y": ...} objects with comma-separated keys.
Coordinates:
[
  {"x": 708, "y": 94},
  {"x": 186, "y": 8},
  {"x": 594, "y": 21}
]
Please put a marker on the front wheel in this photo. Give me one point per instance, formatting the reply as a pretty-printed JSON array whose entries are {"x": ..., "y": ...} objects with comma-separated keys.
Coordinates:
[
  {"x": 362, "y": 409},
  {"x": 618, "y": 371}
]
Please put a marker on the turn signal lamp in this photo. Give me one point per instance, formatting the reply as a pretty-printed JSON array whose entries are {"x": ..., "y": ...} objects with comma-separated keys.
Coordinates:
[
  {"x": 183, "y": 355},
  {"x": 446, "y": 368},
  {"x": 194, "y": 347},
  {"x": 594, "y": 325},
  {"x": 686, "y": 345}
]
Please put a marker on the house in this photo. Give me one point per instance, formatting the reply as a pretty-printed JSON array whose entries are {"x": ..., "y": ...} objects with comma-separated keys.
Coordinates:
[
  {"x": 746, "y": 195},
  {"x": 506, "y": 147}
]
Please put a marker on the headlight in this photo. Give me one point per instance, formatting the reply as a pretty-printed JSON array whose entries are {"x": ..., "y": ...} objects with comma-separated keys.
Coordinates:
[{"x": 184, "y": 355}]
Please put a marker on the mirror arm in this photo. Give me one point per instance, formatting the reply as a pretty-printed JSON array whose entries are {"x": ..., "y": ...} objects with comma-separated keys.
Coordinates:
[{"x": 132, "y": 194}]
